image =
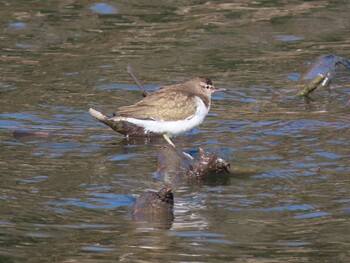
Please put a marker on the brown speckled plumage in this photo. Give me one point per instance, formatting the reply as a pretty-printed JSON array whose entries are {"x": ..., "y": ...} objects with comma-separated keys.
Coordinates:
[{"x": 171, "y": 103}]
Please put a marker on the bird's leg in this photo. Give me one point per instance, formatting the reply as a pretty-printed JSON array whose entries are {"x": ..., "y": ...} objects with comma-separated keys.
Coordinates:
[{"x": 166, "y": 137}]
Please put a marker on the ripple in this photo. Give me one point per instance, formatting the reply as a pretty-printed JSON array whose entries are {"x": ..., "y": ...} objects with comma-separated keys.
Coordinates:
[
  {"x": 287, "y": 38},
  {"x": 121, "y": 157},
  {"x": 35, "y": 179},
  {"x": 96, "y": 248},
  {"x": 17, "y": 25},
  {"x": 23, "y": 45},
  {"x": 97, "y": 201},
  {"x": 312, "y": 215},
  {"x": 194, "y": 234},
  {"x": 103, "y": 9},
  {"x": 293, "y": 243},
  {"x": 288, "y": 208},
  {"x": 329, "y": 155}
]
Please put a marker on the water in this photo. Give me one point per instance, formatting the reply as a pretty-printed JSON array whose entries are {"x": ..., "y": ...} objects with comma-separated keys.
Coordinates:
[{"x": 65, "y": 192}]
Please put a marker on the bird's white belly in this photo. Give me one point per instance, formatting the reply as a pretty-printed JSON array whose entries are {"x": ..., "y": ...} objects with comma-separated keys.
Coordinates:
[{"x": 173, "y": 128}]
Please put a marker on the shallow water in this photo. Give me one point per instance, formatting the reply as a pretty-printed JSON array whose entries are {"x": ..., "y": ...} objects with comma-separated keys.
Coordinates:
[{"x": 66, "y": 190}]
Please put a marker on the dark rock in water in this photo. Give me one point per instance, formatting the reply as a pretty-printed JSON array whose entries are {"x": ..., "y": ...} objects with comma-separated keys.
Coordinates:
[
  {"x": 210, "y": 162},
  {"x": 321, "y": 72},
  {"x": 325, "y": 64},
  {"x": 176, "y": 167},
  {"x": 154, "y": 206},
  {"x": 125, "y": 128}
]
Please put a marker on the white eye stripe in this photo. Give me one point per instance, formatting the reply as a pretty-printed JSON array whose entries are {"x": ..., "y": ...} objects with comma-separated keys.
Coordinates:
[{"x": 205, "y": 85}]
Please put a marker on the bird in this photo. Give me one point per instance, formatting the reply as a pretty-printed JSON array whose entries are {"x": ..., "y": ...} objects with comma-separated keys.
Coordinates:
[{"x": 171, "y": 110}]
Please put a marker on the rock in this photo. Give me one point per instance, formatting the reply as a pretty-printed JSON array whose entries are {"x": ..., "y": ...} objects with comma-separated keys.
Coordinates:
[
  {"x": 154, "y": 206},
  {"x": 325, "y": 64},
  {"x": 321, "y": 73},
  {"x": 176, "y": 167}
]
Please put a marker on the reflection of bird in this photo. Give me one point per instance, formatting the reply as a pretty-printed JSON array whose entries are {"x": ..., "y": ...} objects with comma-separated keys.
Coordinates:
[{"x": 171, "y": 110}]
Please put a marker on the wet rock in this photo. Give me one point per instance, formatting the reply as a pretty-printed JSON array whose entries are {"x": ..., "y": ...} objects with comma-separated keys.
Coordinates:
[
  {"x": 321, "y": 73},
  {"x": 154, "y": 206},
  {"x": 325, "y": 64},
  {"x": 176, "y": 167}
]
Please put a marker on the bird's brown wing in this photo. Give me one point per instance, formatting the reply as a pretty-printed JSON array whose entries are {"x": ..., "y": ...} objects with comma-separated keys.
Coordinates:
[{"x": 169, "y": 105}]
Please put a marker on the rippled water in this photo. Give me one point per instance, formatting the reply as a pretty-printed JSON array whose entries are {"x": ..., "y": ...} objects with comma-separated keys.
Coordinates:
[{"x": 65, "y": 190}]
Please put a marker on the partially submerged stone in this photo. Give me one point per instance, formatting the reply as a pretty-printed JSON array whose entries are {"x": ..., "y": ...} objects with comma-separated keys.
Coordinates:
[
  {"x": 321, "y": 72},
  {"x": 154, "y": 206},
  {"x": 325, "y": 64},
  {"x": 176, "y": 167}
]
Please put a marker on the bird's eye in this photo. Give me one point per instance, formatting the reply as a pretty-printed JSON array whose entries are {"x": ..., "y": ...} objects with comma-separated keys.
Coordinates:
[{"x": 208, "y": 87}]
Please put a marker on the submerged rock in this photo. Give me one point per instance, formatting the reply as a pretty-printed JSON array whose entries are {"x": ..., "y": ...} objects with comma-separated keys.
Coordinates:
[
  {"x": 154, "y": 206},
  {"x": 177, "y": 167},
  {"x": 325, "y": 64},
  {"x": 321, "y": 73}
]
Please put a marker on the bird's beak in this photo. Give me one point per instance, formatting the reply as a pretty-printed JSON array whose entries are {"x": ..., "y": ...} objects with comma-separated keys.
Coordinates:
[{"x": 215, "y": 89}]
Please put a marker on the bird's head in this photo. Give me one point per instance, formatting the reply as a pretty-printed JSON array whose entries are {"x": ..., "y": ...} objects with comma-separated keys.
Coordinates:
[{"x": 205, "y": 86}]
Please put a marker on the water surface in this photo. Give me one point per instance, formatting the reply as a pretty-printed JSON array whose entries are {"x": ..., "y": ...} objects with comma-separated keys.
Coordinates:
[{"x": 66, "y": 190}]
